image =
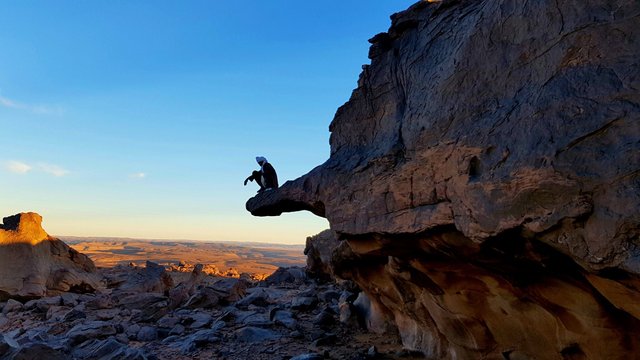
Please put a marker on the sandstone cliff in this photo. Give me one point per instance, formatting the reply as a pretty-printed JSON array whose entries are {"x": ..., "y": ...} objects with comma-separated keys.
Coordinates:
[
  {"x": 34, "y": 264},
  {"x": 484, "y": 178}
]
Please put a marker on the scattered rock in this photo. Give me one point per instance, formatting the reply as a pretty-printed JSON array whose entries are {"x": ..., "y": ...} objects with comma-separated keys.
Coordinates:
[
  {"x": 230, "y": 289},
  {"x": 250, "y": 334},
  {"x": 38, "y": 351},
  {"x": 108, "y": 349},
  {"x": 43, "y": 304},
  {"x": 152, "y": 278},
  {"x": 181, "y": 293},
  {"x": 69, "y": 299},
  {"x": 178, "y": 329},
  {"x": 95, "y": 302},
  {"x": 107, "y": 314},
  {"x": 57, "y": 313},
  {"x": 258, "y": 297},
  {"x": 168, "y": 321},
  {"x": 253, "y": 318},
  {"x": 132, "y": 331},
  {"x": 325, "y": 318},
  {"x": 12, "y": 306},
  {"x": 90, "y": 330},
  {"x": 147, "y": 333},
  {"x": 290, "y": 275},
  {"x": 74, "y": 314},
  {"x": 304, "y": 303},
  {"x": 150, "y": 306},
  {"x": 197, "y": 320},
  {"x": 203, "y": 298},
  {"x": 284, "y": 318},
  {"x": 195, "y": 341}
]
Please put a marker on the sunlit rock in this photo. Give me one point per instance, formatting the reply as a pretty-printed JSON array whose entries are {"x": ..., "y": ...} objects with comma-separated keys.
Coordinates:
[
  {"x": 484, "y": 178},
  {"x": 34, "y": 264}
]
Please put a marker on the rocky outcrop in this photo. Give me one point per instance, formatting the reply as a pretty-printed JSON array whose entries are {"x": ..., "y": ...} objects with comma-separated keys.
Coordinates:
[
  {"x": 484, "y": 177},
  {"x": 34, "y": 264},
  {"x": 319, "y": 250}
]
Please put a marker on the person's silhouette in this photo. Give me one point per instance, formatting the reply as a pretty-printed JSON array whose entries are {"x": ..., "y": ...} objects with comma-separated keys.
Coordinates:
[{"x": 266, "y": 178}]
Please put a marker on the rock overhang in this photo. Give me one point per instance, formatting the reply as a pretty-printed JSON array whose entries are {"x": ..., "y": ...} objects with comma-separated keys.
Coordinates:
[{"x": 491, "y": 148}]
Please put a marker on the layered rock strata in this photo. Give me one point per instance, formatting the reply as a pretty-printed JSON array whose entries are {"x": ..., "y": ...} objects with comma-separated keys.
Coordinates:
[
  {"x": 485, "y": 178},
  {"x": 34, "y": 264}
]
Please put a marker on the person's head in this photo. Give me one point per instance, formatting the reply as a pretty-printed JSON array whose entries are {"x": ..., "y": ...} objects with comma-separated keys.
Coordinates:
[{"x": 261, "y": 160}]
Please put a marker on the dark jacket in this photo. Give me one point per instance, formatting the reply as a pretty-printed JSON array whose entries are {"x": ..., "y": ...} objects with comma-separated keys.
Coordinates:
[{"x": 270, "y": 176}]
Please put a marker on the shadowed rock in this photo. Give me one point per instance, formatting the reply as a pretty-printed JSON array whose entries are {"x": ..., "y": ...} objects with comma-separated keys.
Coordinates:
[
  {"x": 297, "y": 195},
  {"x": 319, "y": 249},
  {"x": 34, "y": 264},
  {"x": 484, "y": 176},
  {"x": 186, "y": 289}
]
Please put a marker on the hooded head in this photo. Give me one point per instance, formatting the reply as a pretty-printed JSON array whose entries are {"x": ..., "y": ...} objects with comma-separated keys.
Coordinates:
[{"x": 261, "y": 159}]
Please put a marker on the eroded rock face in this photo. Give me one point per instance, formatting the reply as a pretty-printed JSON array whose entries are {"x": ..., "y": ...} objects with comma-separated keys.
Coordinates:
[
  {"x": 485, "y": 178},
  {"x": 34, "y": 264}
]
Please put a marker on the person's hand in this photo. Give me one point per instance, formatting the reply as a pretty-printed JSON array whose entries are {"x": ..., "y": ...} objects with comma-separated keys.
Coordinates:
[{"x": 245, "y": 182}]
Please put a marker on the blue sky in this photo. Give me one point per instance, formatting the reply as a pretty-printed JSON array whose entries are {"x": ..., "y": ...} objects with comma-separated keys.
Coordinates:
[{"x": 143, "y": 118}]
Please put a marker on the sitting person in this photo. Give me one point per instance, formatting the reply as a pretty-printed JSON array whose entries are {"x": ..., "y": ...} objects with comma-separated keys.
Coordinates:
[{"x": 266, "y": 178}]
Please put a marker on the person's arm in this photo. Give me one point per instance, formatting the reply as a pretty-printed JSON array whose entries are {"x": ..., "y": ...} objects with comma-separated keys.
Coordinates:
[
  {"x": 255, "y": 175},
  {"x": 250, "y": 178}
]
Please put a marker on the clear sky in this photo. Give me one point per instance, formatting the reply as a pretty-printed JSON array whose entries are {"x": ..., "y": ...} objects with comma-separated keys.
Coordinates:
[{"x": 143, "y": 118}]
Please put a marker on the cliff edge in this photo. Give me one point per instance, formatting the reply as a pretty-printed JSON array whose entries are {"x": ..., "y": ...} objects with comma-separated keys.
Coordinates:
[{"x": 484, "y": 178}]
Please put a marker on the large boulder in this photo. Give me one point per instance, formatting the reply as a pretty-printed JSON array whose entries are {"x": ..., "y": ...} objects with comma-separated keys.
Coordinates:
[
  {"x": 484, "y": 177},
  {"x": 319, "y": 250},
  {"x": 34, "y": 264}
]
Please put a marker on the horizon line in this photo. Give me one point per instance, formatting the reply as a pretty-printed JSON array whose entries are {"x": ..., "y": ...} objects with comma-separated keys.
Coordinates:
[{"x": 175, "y": 240}]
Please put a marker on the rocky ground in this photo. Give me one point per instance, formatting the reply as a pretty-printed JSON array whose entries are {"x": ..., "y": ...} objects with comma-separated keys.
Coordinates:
[{"x": 142, "y": 315}]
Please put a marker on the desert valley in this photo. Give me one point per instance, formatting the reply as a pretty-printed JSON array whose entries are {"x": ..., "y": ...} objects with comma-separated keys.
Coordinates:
[{"x": 220, "y": 258}]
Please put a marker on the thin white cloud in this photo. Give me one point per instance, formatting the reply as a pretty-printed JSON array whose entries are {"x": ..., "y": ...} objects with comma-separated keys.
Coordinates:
[
  {"x": 139, "y": 175},
  {"x": 10, "y": 103},
  {"x": 17, "y": 167},
  {"x": 54, "y": 170},
  {"x": 36, "y": 109}
]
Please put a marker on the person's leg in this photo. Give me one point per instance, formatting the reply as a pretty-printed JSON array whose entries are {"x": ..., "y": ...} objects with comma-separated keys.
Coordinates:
[{"x": 261, "y": 181}]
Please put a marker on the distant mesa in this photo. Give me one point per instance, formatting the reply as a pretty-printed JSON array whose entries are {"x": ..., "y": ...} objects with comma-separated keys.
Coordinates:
[{"x": 34, "y": 264}]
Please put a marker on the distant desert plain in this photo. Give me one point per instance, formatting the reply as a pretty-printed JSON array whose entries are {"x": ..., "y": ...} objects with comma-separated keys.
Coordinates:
[{"x": 228, "y": 257}]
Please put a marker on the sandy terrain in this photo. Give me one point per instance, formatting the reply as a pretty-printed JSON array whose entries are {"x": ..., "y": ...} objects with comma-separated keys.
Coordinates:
[{"x": 253, "y": 258}]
